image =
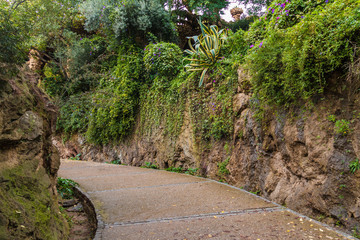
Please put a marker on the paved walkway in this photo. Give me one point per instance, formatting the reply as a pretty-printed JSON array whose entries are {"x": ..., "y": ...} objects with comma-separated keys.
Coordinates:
[{"x": 138, "y": 203}]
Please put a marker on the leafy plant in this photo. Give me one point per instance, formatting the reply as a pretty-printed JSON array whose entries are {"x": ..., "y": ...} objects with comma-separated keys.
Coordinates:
[
  {"x": 331, "y": 118},
  {"x": 222, "y": 170},
  {"x": 354, "y": 166},
  {"x": 191, "y": 171},
  {"x": 342, "y": 127},
  {"x": 77, "y": 157},
  {"x": 65, "y": 187},
  {"x": 356, "y": 232},
  {"x": 293, "y": 48},
  {"x": 175, "y": 169},
  {"x": 150, "y": 165},
  {"x": 206, "y": 50},
  {"x": 129, "y": 19},
  {"x": 116, "y": 161},
  {"x": 115, "y": 101},
  {"x": 163, "y": 59},
  {"x": 74, "y": 114}
]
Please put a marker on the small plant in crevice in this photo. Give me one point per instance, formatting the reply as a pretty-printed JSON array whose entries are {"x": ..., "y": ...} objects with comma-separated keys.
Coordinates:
[
  {"x": 191, "y": 171},
  {"x": 356, "y": 232},
  {"x": 342, "y": 127},
  {"x": 65, "y": 187},
  {"x": 354, "y": 166},
  {"x": 256, "y": 192},
  {"x": 331, "y": 118},
  {"x": 77, "y": 157},
  {"x": 116, "y": 161},
  {"x": 175, "y": 169},
  {"x": 222, "y": 170},
  {"x": 150, "y": 165}
]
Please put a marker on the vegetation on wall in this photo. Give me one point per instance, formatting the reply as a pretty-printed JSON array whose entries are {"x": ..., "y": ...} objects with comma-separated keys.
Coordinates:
[
  {"x": 110, "y": 64},
  {"x": 297, "y": 44}
]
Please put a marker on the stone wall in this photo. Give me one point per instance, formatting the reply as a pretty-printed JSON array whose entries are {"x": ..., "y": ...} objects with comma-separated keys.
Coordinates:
[
  {"x": 28, "y": 162},
  {"x": 295, "y": 158}
]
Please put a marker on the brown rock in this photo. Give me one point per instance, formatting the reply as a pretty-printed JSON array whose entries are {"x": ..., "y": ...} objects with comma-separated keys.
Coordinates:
[
  {"x": 240, "y": 102},
  {"x": 236, "y": 13}
]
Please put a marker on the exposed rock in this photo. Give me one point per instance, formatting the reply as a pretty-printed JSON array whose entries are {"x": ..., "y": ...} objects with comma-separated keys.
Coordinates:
[
  {"x": 236, "y": 13},
  {"x": 240, "y": 102},
  {"x": 293, "y": 158},
  {"x": 28, "y": 162}
]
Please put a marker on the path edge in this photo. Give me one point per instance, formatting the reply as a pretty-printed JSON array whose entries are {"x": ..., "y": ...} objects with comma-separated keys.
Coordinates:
[{"x": 91, "y": 212}]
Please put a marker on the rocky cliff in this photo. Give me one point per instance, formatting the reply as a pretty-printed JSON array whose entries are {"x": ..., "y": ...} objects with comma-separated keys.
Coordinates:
[
  {"x": 299, "y": 157},
  {"x": 28, "y": 162}
]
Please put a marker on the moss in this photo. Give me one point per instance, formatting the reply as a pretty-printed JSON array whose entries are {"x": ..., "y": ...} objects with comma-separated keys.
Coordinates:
[{"x": 27, "y": 209}]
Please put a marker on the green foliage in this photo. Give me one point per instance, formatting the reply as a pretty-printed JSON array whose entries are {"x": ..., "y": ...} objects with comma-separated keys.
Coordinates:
[
  {"x": 256, "y": 6},
  {"x": 191, "y": 171},
  {"x": 115, "y": 102},
  {"x": 163, "y": 105},
  {"x": 342, "y": 127},
  {"x": 10, "y": 40},
  {"x": 332, "y": 118},
  {"x": 206, "y": 50},
  {"x": 65, "y": 187},
  {"x": 294, "y": 46},
  {"x": 53, "y": 82},
  {"x": 130, "y": 19},
  {"x": 150, "y": 165},
  {"x": 236, "y": 47},
  {"x": 222, "y": 170},
  {"x": 86, "y": 62},
  {"x": 354, "y": 166},
  {"x": 117, "y": 161},
  {"x": 27, "y": 205},
  {"x": 242, "y": 24},
  {"x": 356, "y": 232},
  {"x": 163, "y": 59},
  {"x": 74, "y": 114},
  {"x": 175, "y": 169},
  {"x": 77, "y": 157}
]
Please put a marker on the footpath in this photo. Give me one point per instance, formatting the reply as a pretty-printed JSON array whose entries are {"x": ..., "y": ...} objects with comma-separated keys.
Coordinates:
[{"x": 138, "y": 203}]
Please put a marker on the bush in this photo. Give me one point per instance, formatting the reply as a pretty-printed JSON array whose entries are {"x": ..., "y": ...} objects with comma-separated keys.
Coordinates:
[
  {"x": 74, "y": 114},
  {"x": 65, "y": 187},
  {"x": 115, "y": 102},
  {"x": 163, "y": 59},
  {"x": 295, "y": 46},
  {"x": 10, "y": 40},
  {"x": 130, "y": 19},
  {"x": 242, "y": 24}
]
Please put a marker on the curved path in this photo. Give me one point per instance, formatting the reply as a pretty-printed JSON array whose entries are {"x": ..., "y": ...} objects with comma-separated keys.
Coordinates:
[{"x": 138, "y": 203}]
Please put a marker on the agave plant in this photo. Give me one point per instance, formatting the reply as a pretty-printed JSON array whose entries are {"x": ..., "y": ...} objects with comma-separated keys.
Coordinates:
[{"x": 206, "y": 49}]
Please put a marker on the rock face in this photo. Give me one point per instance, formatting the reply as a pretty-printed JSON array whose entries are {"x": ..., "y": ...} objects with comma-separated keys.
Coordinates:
[
  {"x": 28, "y": 163},
  {"x": 296, "y": 158},
  {"x": 236, "y": 13}
]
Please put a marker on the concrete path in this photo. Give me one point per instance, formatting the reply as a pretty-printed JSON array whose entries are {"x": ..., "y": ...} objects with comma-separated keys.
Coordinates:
[{"x": 138, "y": 203}]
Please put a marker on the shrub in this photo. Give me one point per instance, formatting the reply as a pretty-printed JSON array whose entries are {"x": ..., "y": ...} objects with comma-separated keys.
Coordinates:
[
  {"x": 354, "y": 166},
  {"x": 295, "y": 45},
  {"x": 65, "y": 187},
  {"x": 115, "y": 102},
  {"x": 10, "y": 40},
  {"x": 130, "y": 19},
  {"x": 163, "y": 59},
  {"x": 74, "y": 114},
  {"x": 342, "y": 127},
  {"x": 242, "y": 24},
  {"x": 207, "y": 49}
]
